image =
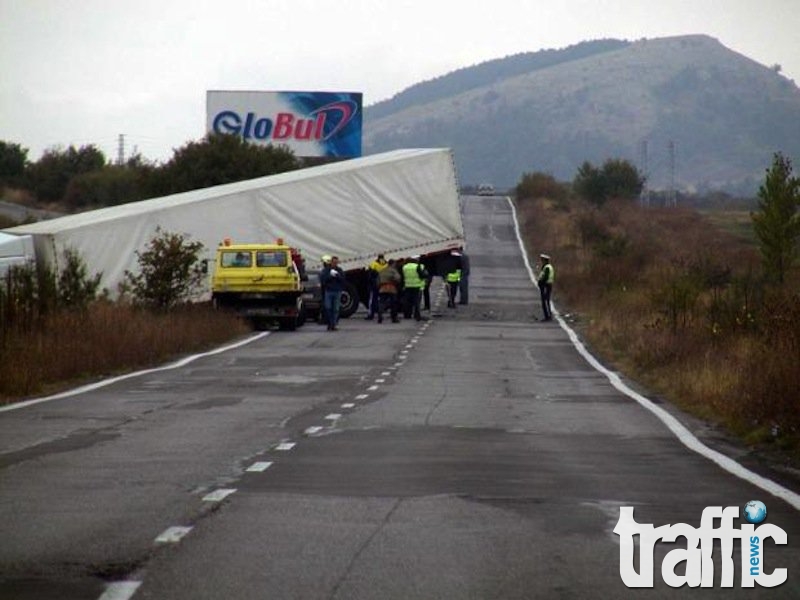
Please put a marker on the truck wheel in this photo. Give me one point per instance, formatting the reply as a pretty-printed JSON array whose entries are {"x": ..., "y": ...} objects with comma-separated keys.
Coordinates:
[{"x": 349, "y": 300}]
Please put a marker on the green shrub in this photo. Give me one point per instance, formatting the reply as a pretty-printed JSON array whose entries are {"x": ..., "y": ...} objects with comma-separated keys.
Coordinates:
[{"x": 170, "y": 272}]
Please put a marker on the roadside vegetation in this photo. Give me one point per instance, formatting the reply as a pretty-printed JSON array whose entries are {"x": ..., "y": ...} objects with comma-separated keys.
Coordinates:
[
  {"x": 60, "y": 330},
  {"x": 701, "y": 311}
]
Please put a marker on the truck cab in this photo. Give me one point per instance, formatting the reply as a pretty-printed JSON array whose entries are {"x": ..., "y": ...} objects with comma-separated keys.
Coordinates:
[{"x": 261, "y": 282}]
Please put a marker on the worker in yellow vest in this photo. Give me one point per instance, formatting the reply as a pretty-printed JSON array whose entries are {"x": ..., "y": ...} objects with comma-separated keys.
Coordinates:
[
  {"x": 414, "y": 275},
  {"x": 375, "y": 267},
  {"x": 453, "y": 278}
]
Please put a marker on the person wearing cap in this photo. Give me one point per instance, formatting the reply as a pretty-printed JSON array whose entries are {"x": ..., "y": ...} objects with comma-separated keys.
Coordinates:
[
  {"x": 463, "y": 284},
  {"x": 453, "y": 277},
  {"x": 375, "y": 267},
  {"x": 414, "y": 275},
  {"x": 546, "y": 277}
]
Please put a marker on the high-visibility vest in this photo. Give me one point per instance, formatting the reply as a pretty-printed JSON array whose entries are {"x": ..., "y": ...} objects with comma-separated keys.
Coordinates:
[
  {"x": 548, "y": 273},
  {"x": 378, "y": 266},
  {"x": 454, "y": 276},
  {"x": 411, "y": 277}
]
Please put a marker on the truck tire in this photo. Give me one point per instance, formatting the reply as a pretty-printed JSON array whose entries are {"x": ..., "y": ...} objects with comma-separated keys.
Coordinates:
[{"x": 349, "y": 300}]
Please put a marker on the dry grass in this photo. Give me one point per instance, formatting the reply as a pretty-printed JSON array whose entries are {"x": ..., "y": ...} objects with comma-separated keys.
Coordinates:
[
  {"x": 676, "y": 301},
  {"x": 69, "y": 347}
]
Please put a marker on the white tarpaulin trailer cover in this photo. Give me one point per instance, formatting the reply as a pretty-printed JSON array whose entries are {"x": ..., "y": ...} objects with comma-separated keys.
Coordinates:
[{"x": 400, "y": 203}]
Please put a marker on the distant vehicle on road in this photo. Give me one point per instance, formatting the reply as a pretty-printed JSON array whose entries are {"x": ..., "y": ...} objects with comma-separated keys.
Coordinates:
[{"x": 485, "y": 189}]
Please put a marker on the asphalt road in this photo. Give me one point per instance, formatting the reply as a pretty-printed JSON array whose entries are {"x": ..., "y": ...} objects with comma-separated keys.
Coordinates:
[{"x": 474, "y": 455}]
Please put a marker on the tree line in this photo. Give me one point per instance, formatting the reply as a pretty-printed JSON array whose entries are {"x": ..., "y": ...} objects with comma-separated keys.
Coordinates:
[{"x": 82, "y": 178}]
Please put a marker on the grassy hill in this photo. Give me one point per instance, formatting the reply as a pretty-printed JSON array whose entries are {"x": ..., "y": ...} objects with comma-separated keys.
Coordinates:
[{"x": 724, "y": 114}]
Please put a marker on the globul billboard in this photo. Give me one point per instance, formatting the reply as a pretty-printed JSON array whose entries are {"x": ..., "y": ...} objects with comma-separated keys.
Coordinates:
[{"x": 309, "y": 123}]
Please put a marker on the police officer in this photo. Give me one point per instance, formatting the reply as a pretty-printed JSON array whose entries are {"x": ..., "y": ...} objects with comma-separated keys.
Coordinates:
[
  {"x": 453, "y": 278},
  {"x": 463, "y": 285},
  {"x": 547, "y": 276}
]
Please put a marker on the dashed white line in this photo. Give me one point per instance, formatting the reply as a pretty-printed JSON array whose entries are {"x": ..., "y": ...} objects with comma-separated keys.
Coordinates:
[
  {"x": 285, "y": 446},
  {"x": 348, "y": 405},
  {"x": 313, "y": 429},
  {"x": 386, "y": 373},
  {"x": 372, "y": 388},
  {"x": 172, "y": 535},
  {"x": 259, "y": 467},
  {"x": 380, "y": 381},
  {"x": 218, "y": 495},
  {"x": 362, "y": 396},
  {"x": 333, "y": 417},
  {"x": 120, "y": 590}
]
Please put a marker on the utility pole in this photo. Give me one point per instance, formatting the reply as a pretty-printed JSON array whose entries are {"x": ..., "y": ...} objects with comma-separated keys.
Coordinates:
[
  {"x": 121, "y": 149},
  {"x": 672, "y": 198},
  {"x": 644, "y": 198}
]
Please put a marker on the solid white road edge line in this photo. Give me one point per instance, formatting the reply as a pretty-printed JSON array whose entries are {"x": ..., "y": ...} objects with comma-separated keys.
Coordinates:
[
  {"x": 99, "y": 384},
  {"x": 680, "y": 431}
]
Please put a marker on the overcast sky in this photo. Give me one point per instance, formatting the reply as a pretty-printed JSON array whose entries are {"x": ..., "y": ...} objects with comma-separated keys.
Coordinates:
[{"x": 84, "y": 71}]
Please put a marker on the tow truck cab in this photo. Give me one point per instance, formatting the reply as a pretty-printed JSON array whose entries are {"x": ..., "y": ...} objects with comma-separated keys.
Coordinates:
[{"x": 261, "y": 282}]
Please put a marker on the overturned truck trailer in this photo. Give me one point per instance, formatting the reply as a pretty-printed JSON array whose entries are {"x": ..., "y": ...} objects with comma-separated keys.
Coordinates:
[{"x": 398, "y": 203}]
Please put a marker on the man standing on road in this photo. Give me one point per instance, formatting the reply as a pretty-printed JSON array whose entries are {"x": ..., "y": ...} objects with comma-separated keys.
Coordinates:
[
  {"x": 414, "y": 275},
  {"x": 546, "y": 278},
  {"x": 375, "y": 267},
  {"x": 389, "y": 281},
  {"x": 452, "y": 278},
  {"x": 463, "y": 284},
  {"x": 332, "y": 280}
]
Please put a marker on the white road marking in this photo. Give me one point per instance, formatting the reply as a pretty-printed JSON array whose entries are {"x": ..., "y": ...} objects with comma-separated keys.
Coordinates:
[
  {"x": 172, "y": 535},
  {"x": 100, "y": 384},
  {"x": 386, "y": 373},
  {"x": 333, "y": 417},
  {"x": 285, "y": 446},
  {"x": 259, "y": 467},
  {"x": 362, "y": 396},
  {"x": 120, "y": 590},
  {"x": 313, "y": 429},
  {"x": 680, "y": 431},
  {"x": 380, "y": 381},
  {"x": 218, "y": 495},
  {"x": 348, "y": 405},
  {"x": 372, "y": 388}
]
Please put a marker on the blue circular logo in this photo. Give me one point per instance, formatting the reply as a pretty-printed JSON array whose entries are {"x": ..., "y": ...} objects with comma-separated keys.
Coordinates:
[{"x": 755, "y": 512}]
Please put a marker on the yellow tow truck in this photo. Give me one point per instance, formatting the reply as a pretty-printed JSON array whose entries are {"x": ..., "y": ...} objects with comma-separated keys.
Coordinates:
[{"x": 260, "y": 282}]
